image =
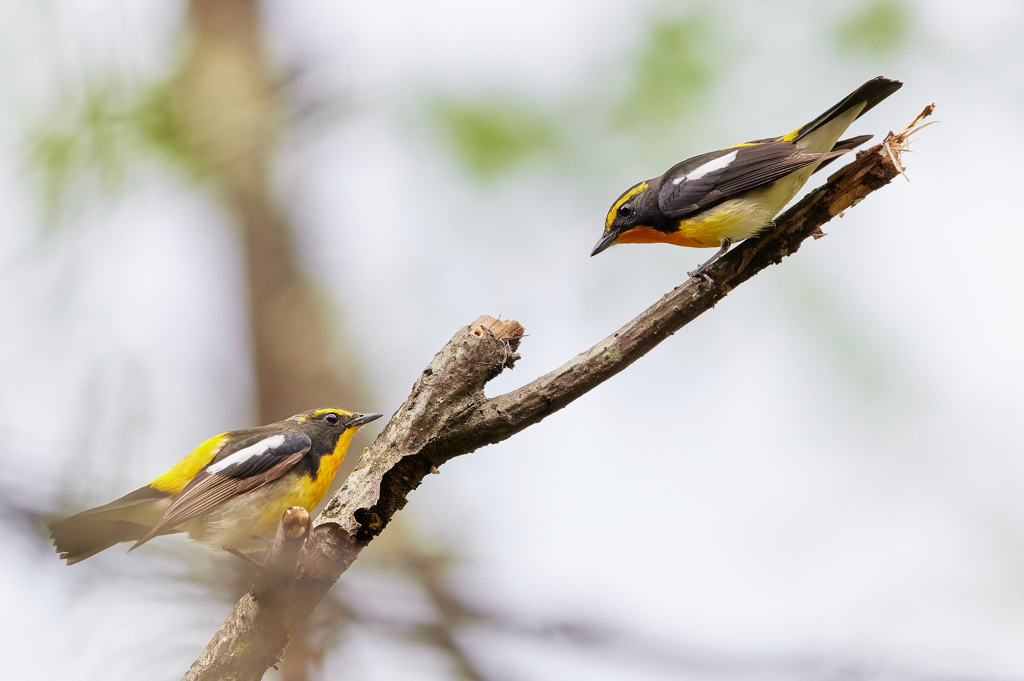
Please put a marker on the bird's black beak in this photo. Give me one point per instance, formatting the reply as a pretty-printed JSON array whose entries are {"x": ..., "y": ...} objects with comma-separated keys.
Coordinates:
[
  {"x": 362, "y": 420},
  {"x": 607, "y": 239}
]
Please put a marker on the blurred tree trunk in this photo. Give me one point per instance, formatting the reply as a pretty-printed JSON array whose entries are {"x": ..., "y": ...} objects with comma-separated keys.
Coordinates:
[{"x": 230, "y": 110}]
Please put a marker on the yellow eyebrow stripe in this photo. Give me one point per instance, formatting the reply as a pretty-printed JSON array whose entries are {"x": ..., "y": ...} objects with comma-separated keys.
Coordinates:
[
  {"x": 321, "y": 412},
  {"x": 625, "y": 197}
]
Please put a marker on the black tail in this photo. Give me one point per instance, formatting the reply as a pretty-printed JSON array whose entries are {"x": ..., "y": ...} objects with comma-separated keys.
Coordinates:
[{"x": 870, "y": 93}]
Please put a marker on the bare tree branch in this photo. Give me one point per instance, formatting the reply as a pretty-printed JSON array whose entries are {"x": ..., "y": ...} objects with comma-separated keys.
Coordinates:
[{"x": 447, "y": 415}]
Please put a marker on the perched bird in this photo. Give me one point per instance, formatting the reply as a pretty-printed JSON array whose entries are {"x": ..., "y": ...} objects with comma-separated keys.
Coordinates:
[
  {"x": 229, "y": 492},
  {"x": 725, "y": 196}
]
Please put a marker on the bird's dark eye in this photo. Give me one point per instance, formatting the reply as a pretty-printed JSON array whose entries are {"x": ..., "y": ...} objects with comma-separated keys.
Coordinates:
[
  {"x": 625, "y": 210},
  {"x": 332, "y": 417}
]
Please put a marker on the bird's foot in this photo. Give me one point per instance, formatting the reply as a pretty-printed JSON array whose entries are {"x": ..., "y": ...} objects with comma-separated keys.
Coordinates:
[{"x": 698, "y": 274}]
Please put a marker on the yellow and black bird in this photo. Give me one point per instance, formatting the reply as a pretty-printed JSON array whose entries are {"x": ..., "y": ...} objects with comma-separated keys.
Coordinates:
[
  {"x": 229, "y": 492},
  {"x": 725, "y": 196}
]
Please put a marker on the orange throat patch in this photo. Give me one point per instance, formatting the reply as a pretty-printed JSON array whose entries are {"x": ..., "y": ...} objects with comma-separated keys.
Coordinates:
[{"x": 643, "y": 234}]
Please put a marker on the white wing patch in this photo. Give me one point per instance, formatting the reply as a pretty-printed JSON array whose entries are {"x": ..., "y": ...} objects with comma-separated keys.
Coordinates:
[
  {"x": 252, "y": 451},
  {"x": 711, "y": 166}
]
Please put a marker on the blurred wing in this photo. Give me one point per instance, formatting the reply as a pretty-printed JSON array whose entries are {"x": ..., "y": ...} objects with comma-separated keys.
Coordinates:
[
  {"x": 703, "y": 181},
  {"x": 239, "y": 472}
]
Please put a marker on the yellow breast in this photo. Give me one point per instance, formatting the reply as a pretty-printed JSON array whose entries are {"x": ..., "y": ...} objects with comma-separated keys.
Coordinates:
[
  {"x": 256, "y": 514},
  {"x": 734, "y": 220},
  {"x": 304, "y": 490}
]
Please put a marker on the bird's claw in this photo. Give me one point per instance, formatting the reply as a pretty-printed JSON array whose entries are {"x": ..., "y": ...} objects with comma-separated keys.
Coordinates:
[
  {"x": 700, "y": 271},
  {"x": 697, "y": 274}
]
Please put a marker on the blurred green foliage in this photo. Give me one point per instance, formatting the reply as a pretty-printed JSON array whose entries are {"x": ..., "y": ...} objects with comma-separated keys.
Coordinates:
[
  {"x": 675, "y": 66},
  {"x": 101, "y": 134},
  {"x": 671, "y": 74},
  {"x": 878, "y": 28},
  {"x": 493, "y": 135}
]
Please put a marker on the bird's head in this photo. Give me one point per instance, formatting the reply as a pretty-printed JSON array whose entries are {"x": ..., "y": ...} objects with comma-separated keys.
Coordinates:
[
  {"x": 332, "y": 428},
  {"x": 633, "y": 214}
]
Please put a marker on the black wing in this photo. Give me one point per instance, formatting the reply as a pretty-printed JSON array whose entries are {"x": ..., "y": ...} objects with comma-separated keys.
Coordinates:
[
  {"x": 258, "y": 462},
  {"x": 703, "y": 181}
]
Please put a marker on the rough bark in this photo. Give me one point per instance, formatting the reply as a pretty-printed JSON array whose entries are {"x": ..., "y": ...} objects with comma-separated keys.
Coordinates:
[{"x": 447, "y": 415}]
